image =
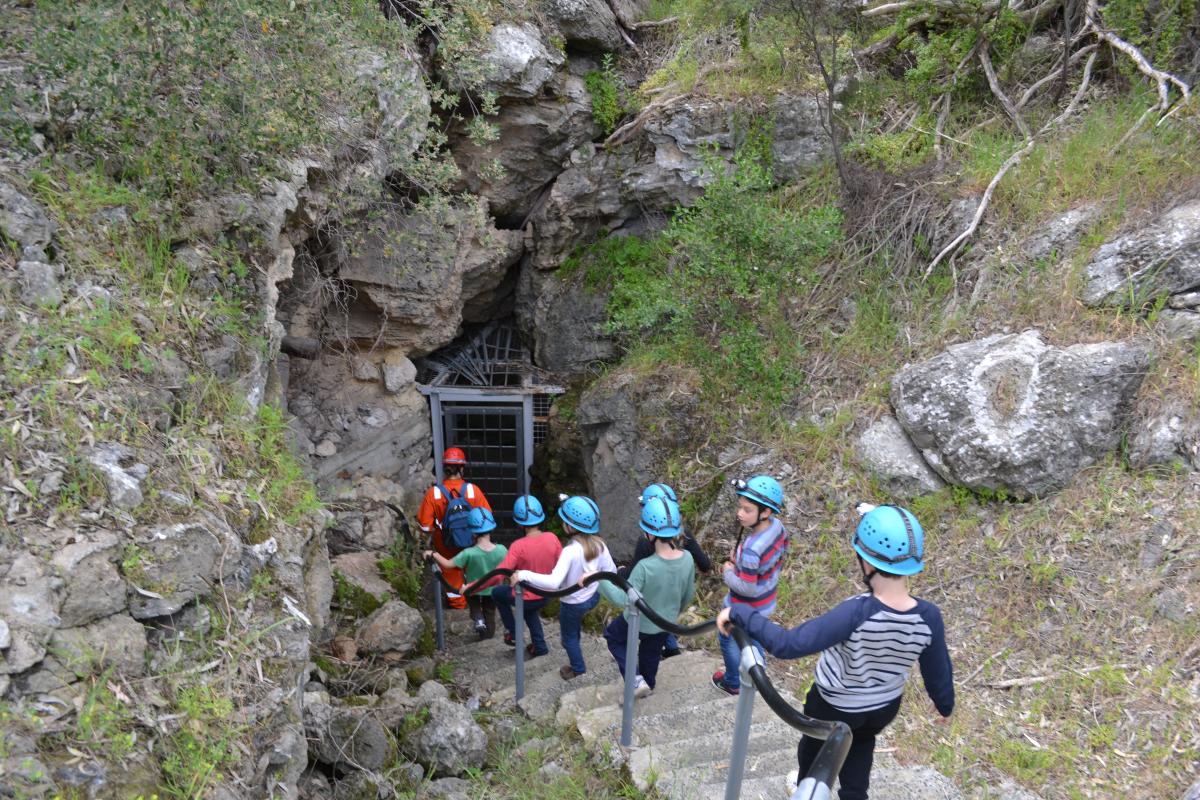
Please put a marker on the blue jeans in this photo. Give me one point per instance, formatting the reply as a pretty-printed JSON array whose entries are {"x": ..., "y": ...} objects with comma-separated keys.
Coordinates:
[
  {"x": 649, "y": 649},
  {"x": 503, "y": 597},
  {"x": 732, "y": 654},
  {"x": 671, "y": 642},
  {"x": 570, "y": 622}
]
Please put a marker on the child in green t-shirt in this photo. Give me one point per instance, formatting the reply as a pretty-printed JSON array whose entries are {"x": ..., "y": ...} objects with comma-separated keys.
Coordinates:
[{"x": 475, "y": 562}]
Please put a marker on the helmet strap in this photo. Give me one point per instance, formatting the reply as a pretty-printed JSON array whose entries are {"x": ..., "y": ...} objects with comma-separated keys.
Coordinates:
[{"x": 867, "y": 576}]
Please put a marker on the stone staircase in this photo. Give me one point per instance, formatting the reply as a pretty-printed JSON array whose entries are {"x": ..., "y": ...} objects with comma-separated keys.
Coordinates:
[{"x": 682, "y": 732}]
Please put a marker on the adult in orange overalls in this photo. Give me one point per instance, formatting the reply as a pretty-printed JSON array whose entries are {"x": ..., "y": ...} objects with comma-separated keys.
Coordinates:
[{"x": 433, "y": 511}]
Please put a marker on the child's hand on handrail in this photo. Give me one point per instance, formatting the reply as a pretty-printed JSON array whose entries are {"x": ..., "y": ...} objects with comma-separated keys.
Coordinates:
[
  {"x": 724, "y": 623},
  {"x": 583, "y": 578}
]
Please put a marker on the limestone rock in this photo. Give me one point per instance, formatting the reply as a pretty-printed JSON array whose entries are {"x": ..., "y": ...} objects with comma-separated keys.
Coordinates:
[
  {"x": 1180, "y": 324},
  {"x": 362, "y": 570},
  {"x": 536, "y": 136},
  {"x": 451, "y": 742},
  {"x": 92, "y": 588},
  {"x": 1160, "y": 258},
  {"x": 607, "y": 189},
  {"x": 29, "y": 609},
  {"x": 5, "y": 635},
  {"x": 588, "y": 24},
  {"x": 394, "y": 626},
  {"x": 627, "y": 421},
  {"x": 414, "y": 273},
  {"x": 566, "y": 323},
  {"x": 22, "y": 220},
  {"x": 398, "y": 373},
  {"x": 519, "y": 62},
  {"x": 1062, "y": 234},
  {"x": 347, "y": 738},
  {"x": 177, "y": 564},
  {"x": 885, "y": 449},
  {"x": 39, "y": 284},
  {"x": 1193, "y": 793},
  {"x": 430, "y": 691},
  {"x": 1011, "y": 413},
  {"x": 446, "y": 789},
  {"x": 365, "y": 370},
  {"x": 123, "y": 474},
  {"x": 1170, "y": 436},
  {"x": 325, "y": 449},
  {"x": 117, "y": 641}
]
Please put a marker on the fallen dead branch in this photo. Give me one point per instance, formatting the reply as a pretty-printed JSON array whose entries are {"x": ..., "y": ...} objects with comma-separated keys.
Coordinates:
[{"x": 1014, "y": 683}]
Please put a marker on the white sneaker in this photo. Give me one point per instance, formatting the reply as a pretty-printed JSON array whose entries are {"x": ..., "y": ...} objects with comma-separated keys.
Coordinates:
[
  {"x": 792, "y": 780},
  {"x": 641, "y": 688}
]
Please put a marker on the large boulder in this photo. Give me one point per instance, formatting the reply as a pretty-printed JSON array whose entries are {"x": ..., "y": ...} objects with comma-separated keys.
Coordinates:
[
  {"x": 394, "y": 627},
  {"x": 1014, "y": 414},
  {"x": 535, "y": 138},
  {"x": 885, "y": 449},
  {"x": 629, "y": 421},
  {"x": 668, "y": 165},
  {"x": 118, "y": 642},
  {"x": 1161, "y": 258},
  {"x": 587, "y": 24},
  {"x": 1062, "y": 234},
  {"x": 412, "y": 273},
  {"x": 451, "y": 742}
]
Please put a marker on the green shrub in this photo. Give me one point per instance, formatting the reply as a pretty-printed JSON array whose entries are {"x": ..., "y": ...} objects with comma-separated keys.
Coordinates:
[{"x": 609, "y": 101}]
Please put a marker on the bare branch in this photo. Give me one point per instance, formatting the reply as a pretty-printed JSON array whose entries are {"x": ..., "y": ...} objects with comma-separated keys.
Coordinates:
[
  {"x": 892, "y": 38},
  {"x": 652, "y": 23},
  {"x": 1055, "y": 73},
  {"x": 1162, "y": 80},
  {"x": 994, "y": 83}
]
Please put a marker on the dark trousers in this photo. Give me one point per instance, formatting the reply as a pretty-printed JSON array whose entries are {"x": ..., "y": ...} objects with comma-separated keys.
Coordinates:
[
  {"x": 855, "y": 777},
  {"x": 502, "y": 595},
  {"x": 650, "y": 647},
  {"x": 483, "y": 607}
]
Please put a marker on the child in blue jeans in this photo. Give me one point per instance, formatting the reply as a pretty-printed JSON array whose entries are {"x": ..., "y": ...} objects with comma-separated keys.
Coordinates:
[
  {"x": 752, "y": 573},
  {"x": 667, "y": 583},
  {"x": 868, "y": 645},
  {"x": 586, "y": 552}
]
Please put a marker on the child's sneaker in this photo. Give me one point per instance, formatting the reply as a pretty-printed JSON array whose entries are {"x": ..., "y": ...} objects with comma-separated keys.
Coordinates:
[
  {"x": 718, "y": 680},
  {"x": 481, "y": 629},
  {"x": 641, "y": 688},
  {"x": 670, "y": 652},
  {"x": 792, "y": 780},
  {"x": 567, "y": 673},
  {"x": 509, "y": 640}
]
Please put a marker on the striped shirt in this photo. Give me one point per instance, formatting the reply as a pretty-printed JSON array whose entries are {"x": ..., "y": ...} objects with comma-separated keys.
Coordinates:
[
  {"x": 754, "y": 579},
  {"x": 867, "y": 650}
]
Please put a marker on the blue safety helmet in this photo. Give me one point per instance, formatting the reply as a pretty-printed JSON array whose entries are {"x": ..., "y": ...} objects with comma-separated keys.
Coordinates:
[
  {"x": 761, "y": 489},
  {"x": 581, "y": 513},
  {"x": 889, "y": 538},
  {"x": 658, "y": 490},
  {"x": 527, "y": 511},
  {"x": 661, "y": 517},
  {"x": 480, "y": 521}
]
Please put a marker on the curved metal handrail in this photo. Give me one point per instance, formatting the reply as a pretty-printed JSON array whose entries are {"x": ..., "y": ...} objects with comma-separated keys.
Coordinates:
[{"x": 836, "y": 734}]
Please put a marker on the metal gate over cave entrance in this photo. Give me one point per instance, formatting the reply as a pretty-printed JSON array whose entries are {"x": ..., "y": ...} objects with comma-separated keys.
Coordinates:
[{"x": 486, "y": 397}]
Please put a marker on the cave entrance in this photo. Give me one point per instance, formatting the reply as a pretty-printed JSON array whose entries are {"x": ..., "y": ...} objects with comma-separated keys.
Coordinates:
[{"x": 487, "y": 397}]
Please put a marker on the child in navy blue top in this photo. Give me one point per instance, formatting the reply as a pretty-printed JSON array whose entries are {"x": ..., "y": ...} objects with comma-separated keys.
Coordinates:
[{"x": 867, "y": 644}]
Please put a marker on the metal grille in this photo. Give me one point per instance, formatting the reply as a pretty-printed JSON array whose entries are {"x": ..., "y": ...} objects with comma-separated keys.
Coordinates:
[
  {"x": 493, "y": 438},
  {"x": 492, "y": 357},
  {"x": 541, "y": 414}
]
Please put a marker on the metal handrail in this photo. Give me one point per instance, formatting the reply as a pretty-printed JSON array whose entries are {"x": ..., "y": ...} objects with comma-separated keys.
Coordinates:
[{"x": 817, "y": 785}]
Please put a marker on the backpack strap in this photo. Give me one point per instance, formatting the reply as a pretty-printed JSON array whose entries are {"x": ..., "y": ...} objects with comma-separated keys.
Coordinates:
[{"x": 446, "y": 492}]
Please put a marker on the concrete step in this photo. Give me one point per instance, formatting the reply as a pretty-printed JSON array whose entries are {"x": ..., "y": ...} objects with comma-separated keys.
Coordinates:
[{"x": 679, "y": 767}]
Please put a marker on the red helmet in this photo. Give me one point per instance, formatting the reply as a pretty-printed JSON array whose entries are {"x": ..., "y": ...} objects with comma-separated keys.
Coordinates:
[{"x": 454, "y": 456}]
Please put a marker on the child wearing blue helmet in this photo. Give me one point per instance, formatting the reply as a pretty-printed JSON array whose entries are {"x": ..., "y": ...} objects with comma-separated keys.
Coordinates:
[
  {"x": 475, "y": 562},
  {"x": 645, "y": 548},
  {"x": 586, "y": 552},
  {"x": 753, "y": 569},
  {"x": 868, "y": 644},
  {"x": 665, "y": 580}
]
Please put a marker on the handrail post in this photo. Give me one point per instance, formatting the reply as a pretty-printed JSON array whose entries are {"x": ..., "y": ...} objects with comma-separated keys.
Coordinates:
[
  {"x": 741, "y": 724},
  {"x": 438, "y": 615},
  {"x": 519, "y": 635},
  {"x": 631, "y": 668}
]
